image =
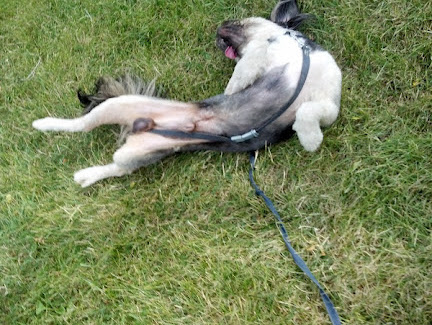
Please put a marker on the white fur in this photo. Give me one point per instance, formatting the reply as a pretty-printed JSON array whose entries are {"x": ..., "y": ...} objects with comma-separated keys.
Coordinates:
[
  {"x": 318, "y": 103},
  {"x": 124, "y": 110},
  {"x": 58, "y": 124},
  {"x": 260, "y": 56},
  {"x": 88, "y": 176}
]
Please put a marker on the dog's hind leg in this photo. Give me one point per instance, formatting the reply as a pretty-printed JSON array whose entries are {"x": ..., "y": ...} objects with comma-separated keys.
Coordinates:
[
  {"x": 124, "y": 110},
  {"x": 139, "y": 150},
  {"x": 309, "y": 119},
  {"x": 91, "y": 175}
]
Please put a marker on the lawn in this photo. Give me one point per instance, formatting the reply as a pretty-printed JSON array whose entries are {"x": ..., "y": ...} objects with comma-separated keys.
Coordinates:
[{"x": 186, "y": 241}]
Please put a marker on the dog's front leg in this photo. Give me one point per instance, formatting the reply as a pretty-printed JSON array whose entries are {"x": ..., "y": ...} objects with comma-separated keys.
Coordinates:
[
  {"x": 124, "y": 110},
  {"x": 309, "y": 118},
  {"x": 247, "y": 70}
]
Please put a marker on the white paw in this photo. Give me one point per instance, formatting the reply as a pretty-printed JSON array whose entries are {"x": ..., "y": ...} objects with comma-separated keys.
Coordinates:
[
  {"x": 229, "y": 90},
  {"x": 88, "y": 176},
  {"x": 234, "y": 87},
  {"x": 59, "y": 124},
  {"x": 311, "y": 141},
  {"x": 46, "y": 124},
  {"x": 310, "y": 136}
]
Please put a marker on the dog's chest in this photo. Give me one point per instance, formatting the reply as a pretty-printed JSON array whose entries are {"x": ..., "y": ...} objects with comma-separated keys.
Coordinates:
[{"x": 282, "y": 50}]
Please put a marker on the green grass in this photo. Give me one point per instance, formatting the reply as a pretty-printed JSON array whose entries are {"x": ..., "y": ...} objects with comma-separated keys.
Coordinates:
[{"x": 185, "y": 241}]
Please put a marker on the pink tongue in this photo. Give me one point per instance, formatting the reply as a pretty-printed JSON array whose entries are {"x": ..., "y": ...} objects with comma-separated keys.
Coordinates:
[{"x": 230, "y": 53}]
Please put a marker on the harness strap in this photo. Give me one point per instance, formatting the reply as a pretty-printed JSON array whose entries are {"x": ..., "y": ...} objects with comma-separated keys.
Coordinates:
[
  {"x": 254, "y": 133},
  {"x": 334, "y": 317},
  {"x": 303, "y": 76},
  {"x": 191, "y": 135}
]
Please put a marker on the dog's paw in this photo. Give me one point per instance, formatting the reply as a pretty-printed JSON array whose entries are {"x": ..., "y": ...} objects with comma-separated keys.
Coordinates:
[
  {"x": 45, "y": 124},
  {"x": 88, "y": 176},
  {"x": 59, "y": 124},
  {"x": 311, "y": 141},
  {"x": 234, "y": 86},
  {"x": 309, "y": 134}
]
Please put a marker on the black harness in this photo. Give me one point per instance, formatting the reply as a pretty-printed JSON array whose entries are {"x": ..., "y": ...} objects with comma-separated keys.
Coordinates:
[{"x": 254, "y": 133}]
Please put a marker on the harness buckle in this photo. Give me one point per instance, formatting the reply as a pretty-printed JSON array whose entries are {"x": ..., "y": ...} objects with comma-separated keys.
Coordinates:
[
  {"x": 300, "y": 39},
  {"x": 244, "y": 137}
]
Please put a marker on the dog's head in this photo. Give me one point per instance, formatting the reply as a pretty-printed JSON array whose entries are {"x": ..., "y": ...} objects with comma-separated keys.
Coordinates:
[{"x": 233, "y": 35}]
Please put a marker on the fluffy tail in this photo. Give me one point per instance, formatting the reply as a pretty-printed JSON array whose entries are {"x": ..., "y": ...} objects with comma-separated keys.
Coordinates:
[{"x": 107, "y": 87}]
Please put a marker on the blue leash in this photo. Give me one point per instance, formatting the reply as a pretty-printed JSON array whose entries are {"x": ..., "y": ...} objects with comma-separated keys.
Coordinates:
[{"x": 334, "y": 317}]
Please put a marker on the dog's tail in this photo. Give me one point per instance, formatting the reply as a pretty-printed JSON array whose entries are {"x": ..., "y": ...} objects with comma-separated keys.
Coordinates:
[{"x": 107, "y": 87}]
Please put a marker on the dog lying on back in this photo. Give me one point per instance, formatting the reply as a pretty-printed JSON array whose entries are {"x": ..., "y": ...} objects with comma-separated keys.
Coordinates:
[{"x": 269, "y": 64}]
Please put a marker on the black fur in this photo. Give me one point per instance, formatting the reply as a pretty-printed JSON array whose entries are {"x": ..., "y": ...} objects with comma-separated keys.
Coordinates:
[
  {"x": 247, "y": 110},
  {"x": 90, "y": 101},
  {"x": 257, "y": 102},
  {"x": 287, "y": 14},
  {"x": 107, "y": 87},
  {"x": 311, "y": 44},
  {"x": 230, "y": 33}
]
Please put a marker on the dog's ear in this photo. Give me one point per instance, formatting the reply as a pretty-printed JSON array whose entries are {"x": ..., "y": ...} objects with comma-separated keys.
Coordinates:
[{"x": 287, "y": 14}]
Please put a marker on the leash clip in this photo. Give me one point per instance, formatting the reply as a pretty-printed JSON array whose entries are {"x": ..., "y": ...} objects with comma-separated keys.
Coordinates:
[
  {"x": 244, "y": 137},
  {"x": 300, "y": 39}
]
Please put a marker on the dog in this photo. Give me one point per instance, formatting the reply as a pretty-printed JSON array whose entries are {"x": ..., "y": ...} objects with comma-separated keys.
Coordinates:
[{"x": 269, "y": 59}]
